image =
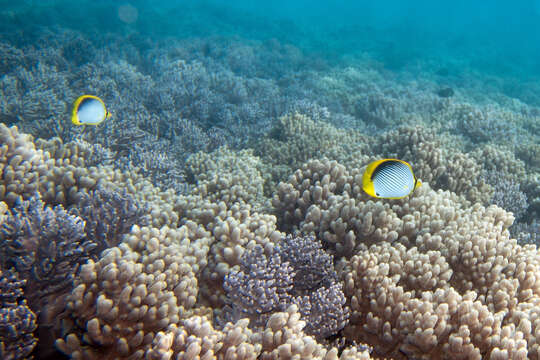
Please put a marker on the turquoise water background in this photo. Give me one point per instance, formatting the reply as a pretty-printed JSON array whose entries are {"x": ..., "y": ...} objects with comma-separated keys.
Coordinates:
[{"x": 497, "y": 37}]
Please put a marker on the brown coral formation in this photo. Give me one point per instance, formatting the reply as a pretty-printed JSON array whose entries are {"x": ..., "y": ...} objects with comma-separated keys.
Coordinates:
[
  {"x": 59, "y": 176},
  {"x": 22, "y": 165},
  {"x": 530, "y": 153},
  {"x": 233, "y": 229},
  {"x": 135, "y": 290},
  {"x": 434, "y": 162},
  {"x": 282, "y": 338},
  {"x": 196, "y": 338},
  {"x": 429, "y": 276},
  {"x": 58, "y": 172},
  {"x": 297, "y": 138},
  {"x": 227, "y": 176}
]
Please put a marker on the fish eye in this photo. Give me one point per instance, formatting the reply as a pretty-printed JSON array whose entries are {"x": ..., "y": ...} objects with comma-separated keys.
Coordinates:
[{"x": 377, "y": 194}]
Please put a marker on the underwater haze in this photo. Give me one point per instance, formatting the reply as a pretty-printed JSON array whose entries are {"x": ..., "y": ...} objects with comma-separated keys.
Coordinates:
[
  {"x": 269, "y": 180},
  {"x": 499, "y": 38}
]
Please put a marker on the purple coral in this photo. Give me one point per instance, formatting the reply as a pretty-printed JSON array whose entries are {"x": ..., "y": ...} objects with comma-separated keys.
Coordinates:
[
  {"x": 507, "y": 193},
  {"x": 526, "y": 233},
  {"x": 298, "y": 271},
  {"x": 17, "y": 321},
  {"x": 261, "y": 287},
  {"x": 108, "y": 215},
  {"x": 45, "y": 246}
]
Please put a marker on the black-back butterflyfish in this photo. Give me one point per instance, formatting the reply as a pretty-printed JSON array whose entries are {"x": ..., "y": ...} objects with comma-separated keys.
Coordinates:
[
  {"x": 89, "y": 110},
  {"x": 389, "y": 179}
]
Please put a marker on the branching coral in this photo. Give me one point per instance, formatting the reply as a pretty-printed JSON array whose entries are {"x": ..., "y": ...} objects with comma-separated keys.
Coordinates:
[
  {"x": 214, "y": 96},
  {"x": 529, "y": 153},
  {"x": 108, "y": 215},
  {"x": 23, "y": 165},
  {"x": 527, "y": 233},
  {"x": 46, "y": 246},
  {"x": 296, "y": 271},
  {"x": 281, "y": 338},
  {"x": 262, "y": 286},
  {"x": 206, "y": 96},
  {"x": 36, "y": 98},
  {"x": 515, "y": 181},
  {"x": 234, "y": 230},
  {"x": 58, "y": 172},
  {"x": 366, "y": 93},
  {"x": 507, "y": 194},
  {"x": 150, "y": 154},
  {"x": 196, "y": 338},
  {"x": 17, "y": 321}
]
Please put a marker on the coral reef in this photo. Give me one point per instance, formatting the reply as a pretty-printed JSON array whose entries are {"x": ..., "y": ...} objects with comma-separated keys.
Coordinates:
[
  {"x": 17, "y": 321},
  {"x": 227, "y": 176},
  {"x": 530, "y": 154},
  {"x": 422, "y": 267},
  {"x": 148, "y": 282},
  {"x": 527, "y": 233},
  {"x": 34, "y": 97},
  {"x": 23, "y": 165},
  {"x": 506, "y": 194},
  {"x": 168, "y": 272},
  {"x": 282, "y": 338},
  {"x": 297, "y": 271},
  {"x": 369, "y": 95},
  {"x": 201, "y": 94},
  {"x": 490, "y": 123},
  {"x": 434, "y": 161},
  {"x": 234, "y": 229},
  {"x": 154, "y": 159},
  {"x": 108, "y": 215},
  {"x": 188, "y": 224},
  {"x": 46, "y": 246},
  {"x": 297, "y": 138},
  {"x": 506, "y": 174}
]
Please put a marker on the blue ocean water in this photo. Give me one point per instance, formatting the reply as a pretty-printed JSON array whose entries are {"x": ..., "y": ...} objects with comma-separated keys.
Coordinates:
[
  {"x": 499, "y": 38},
  {"x": 216, "y": 108}
]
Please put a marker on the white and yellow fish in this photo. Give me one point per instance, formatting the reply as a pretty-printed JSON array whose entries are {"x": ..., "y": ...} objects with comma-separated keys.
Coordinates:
[
  {"x": 389, "y": 179},
  {"x": 89, "y": 110}
]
